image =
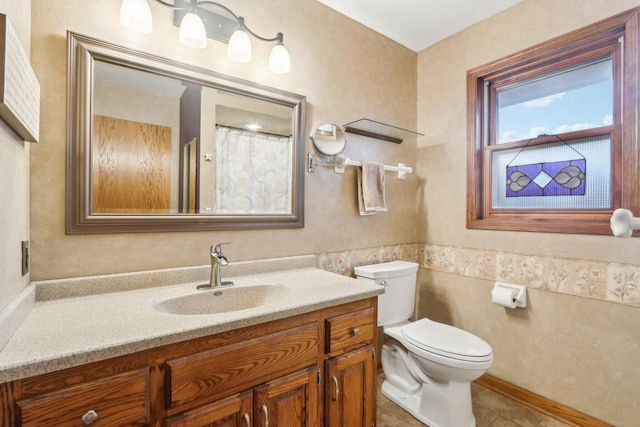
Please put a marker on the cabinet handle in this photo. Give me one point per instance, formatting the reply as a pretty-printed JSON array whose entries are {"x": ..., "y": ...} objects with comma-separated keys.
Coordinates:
[
  {"x": 247, "y": 420},
  {"x": 266, "y": 415},
  {"x": 336, "y": 391},
  {"x": 89, "y": 417},
  {"x": 356, "y": 332}
]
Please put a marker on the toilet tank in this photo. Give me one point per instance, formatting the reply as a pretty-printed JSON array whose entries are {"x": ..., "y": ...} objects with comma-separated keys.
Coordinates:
[{"x": 399, "y": 279}]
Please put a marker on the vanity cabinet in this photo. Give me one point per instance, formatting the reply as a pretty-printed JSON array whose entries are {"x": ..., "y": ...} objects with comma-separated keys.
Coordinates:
[
  {"x": 281, "y": 367},
  {"x": 290, "y": 401},
  {"x": 308, "y": 370},
  {"x": 233, "y": 411},
  {"x": 350, "y": 378},
  {"x": 285, "y": 402},
  {"x": 351, "y": 390},
  {"x": 120, "y": 399}
]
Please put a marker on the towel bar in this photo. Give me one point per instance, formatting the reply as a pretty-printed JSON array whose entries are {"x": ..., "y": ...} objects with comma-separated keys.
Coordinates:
[{"x": 341, "y": 163}]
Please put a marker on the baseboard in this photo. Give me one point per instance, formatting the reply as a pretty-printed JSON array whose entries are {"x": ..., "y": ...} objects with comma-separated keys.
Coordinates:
[{"x": 539, "y": 403}]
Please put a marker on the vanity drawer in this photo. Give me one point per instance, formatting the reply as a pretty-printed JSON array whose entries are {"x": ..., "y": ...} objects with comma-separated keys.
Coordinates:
[
  {"x": 349, "y": 330},
  {"x": 236, "y": 367},
  {"x": 121, "y": 399}
]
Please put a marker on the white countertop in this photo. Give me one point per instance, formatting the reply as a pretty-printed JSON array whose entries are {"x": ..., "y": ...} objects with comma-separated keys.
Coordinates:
[{"x": 67, "y": 332}]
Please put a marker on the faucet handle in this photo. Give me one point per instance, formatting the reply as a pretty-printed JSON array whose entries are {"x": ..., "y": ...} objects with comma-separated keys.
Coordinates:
[{"x": 217, "y": 249}]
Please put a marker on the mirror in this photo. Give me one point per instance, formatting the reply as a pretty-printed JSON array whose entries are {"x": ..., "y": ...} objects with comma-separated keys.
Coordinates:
[
  {"x": 156, "y": 145},
  {"x": 328, "y": 139}
]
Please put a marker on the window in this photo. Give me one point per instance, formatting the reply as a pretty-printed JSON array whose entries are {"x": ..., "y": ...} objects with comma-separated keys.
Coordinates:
[{"x": 552, "y": 133}]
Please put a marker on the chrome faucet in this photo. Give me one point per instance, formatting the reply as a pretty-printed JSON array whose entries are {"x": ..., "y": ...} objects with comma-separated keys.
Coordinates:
[{"x": 217, "y": 260}]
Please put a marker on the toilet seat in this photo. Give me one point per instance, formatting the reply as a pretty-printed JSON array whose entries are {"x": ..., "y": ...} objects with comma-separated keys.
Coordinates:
[{"x": 447, "y": 341}]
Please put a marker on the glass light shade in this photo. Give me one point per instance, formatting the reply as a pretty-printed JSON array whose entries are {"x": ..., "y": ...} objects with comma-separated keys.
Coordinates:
[
  {"x": 135, "y": 15},
  {"x": 279, "y": 60},
  {"x": 192, "y": 31},
  {"x": 239, "y": 48}
]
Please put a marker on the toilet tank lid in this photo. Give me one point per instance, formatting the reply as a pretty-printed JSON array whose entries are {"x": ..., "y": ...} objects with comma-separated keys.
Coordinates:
[{"x": 386, "y": 270}]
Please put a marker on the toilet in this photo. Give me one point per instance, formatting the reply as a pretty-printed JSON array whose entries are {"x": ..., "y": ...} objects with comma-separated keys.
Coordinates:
[{"x": 428, "y": 366}]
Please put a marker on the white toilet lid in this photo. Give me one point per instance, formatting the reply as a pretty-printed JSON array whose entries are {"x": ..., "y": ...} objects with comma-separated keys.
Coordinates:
[{"x": 446, "y": 340}]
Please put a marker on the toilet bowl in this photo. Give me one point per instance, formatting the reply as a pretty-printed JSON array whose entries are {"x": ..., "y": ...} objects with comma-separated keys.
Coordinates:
[{"x": 428, "y": 365}]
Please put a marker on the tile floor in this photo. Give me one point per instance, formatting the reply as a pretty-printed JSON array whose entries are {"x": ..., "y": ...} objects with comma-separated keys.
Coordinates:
[{"x": 490, "y": 409}]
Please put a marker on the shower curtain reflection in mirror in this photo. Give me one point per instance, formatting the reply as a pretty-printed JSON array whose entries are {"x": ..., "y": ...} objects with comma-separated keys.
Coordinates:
[{"x": 253, "y": 172}]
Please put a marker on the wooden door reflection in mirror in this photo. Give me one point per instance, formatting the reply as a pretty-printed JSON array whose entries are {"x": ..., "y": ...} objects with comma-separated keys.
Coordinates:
[{"x": 130, "y": 167}]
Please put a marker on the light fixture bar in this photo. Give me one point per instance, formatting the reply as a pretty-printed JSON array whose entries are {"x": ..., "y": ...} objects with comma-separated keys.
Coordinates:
[
  {"x": 218, "y": 27},
  {"x": 201, "y": 23}
]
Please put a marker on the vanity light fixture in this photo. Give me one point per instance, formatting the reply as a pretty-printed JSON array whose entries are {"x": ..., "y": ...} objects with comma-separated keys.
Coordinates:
[
  {"x": 136, "y": 16},
  {"x": 197, "y": 22},
  {"x": 192, "y": 32},
  {"x": 239, "y": 44}
]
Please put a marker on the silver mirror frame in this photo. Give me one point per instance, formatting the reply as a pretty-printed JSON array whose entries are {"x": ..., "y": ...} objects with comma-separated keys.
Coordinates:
[{"x": 81, "y": 54}]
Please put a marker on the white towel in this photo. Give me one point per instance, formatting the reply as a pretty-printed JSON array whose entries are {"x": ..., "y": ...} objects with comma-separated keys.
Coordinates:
[{"x": 371, "y": 196}]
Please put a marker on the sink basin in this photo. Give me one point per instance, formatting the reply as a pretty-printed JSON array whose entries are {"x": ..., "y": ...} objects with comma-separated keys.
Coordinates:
[{"x": 222, "y": 300}]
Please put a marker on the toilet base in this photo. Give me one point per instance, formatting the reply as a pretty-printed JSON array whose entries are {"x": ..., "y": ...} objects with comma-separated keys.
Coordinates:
[
  {"x": 408, "y": 402},
  {"x": 429, "y": 409}
]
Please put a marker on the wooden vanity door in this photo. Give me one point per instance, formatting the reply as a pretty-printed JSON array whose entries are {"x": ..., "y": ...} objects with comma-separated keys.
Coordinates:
[
  {"x": 234, "y": 411},
  {"x": 349, "y": 389},
  {"x": 291, "y": 401}
]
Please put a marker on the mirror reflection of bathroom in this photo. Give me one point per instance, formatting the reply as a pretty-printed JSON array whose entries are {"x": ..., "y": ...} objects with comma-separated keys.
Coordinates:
[
  {"x": 197, "y": 138},
  {"x": 328, "y": 139}
]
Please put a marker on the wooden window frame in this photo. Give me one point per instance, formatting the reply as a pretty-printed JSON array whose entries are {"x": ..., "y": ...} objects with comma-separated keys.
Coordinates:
[{"x": 555, "y": 54}]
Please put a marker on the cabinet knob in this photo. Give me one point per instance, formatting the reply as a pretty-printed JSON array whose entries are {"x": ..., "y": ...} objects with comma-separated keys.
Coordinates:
[
  {"x": 356, "y": 332},
  {"x": 89, "y": 417}
]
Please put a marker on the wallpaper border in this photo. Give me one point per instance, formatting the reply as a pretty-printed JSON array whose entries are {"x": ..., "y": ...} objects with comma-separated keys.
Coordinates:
[{"x": 614, "y": 282}]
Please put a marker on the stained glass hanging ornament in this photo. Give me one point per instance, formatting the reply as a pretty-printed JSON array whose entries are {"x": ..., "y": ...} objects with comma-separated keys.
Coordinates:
[{"x": 557, "y": 178}]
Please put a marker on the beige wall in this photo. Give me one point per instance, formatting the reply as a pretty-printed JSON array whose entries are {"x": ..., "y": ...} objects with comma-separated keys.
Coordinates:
[
  {"x": 347, "y": 73},
  {"x": 14, "y": 176},
  {"x": 574, "y": 350}
]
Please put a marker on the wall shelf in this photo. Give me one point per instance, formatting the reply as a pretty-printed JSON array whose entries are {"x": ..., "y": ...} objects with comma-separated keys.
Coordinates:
[{"x": 379, "y": 130}]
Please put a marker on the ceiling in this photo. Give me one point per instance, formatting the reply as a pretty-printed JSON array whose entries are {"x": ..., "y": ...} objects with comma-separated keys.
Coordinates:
[{"x": 418, "y": 24}]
